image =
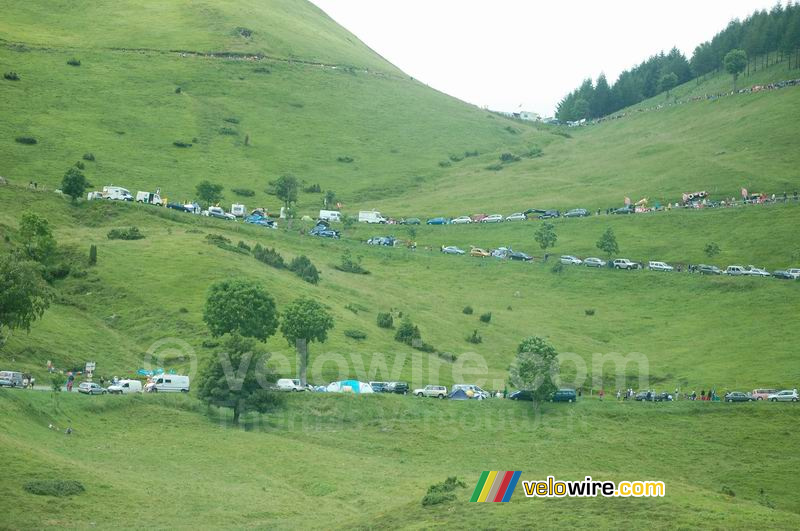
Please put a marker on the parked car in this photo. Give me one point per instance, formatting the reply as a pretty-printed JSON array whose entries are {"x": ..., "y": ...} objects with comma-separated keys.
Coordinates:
[
  {"x": 784, "y": 396},
  {"x": 10, "y": 379},
  {"x": 738, "y": 396},
  {"x": 571, "y": 260},
  {"x": 436, "y": 391},
  {"x": 659, "y": 266},
  {"x": 594, "y": 262},
  {"x": 323, "y": 230},
  {"x": 762, "y": 394},
  {"x": 795, "y": 272},
  {"x": 452, "y": 249},
  {"x": 519, "y": 255},
  {"x": 564, "y": 395},
  {"x": 735, "y": 271},
  {"x": 379, "y": 387},
  {"x": 217, "y": 212},
  {"x": 168, "y": 383},
  {"x": 645, "y": 396},
  {"x": 522, "y": 395},
  {"x": 400, "y": 388},
  {"x": 124, "y": 387},
  {"x": 289, "y": 384},
  {"x": 500, "y": 252},
  {"x": 704, "y": 269},
  {"x": 437, "y": 221},
  {"x": 386, "y": 241},
  {"x": 548, "y": 214},
  {"x": 410, "y": 221},
  {"x": 494, "y": 218},
  {"x": 477, "y": 392},
  {"x": 628, "y": 209},
  {"x": 262, "y": 221},
  {"x": 91, "y": 388},
  {"x": 477, "y": 218},
  {"x": 662, "y": 397},
  {"x": 757, "y": 272},
  {"x": 534, "y": 211},
  {"x": 517, "y": 216},
  {"x": 461, "y": 220},
  {"x": 783, "y": 274},
  {"x": 480, "y": 253},
  {"x": 577, "y": 213},
  {"x": 624, "y": 263}
]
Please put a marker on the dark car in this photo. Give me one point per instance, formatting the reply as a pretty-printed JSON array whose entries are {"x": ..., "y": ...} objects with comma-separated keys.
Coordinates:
[
  {"x": 521, "y": 395},
  {"x": 411, "y": 221},
  {"x": 437, "y": 221},
  {"x": 324, "y": 230},
  {"x": 628, "y": 209},
  {"x": 577, "y": 213},
  {"x": 379, "y": 387},
  {"x": 783, "y": 274},
  {"x": 549, "y": 214},
  {"x": 387, "y": 241},
  {"x": 400, "y": 388},
  {"x": 737, "y": 396},
  {"x": 663, "y": 397},
  {"x": 517, "y": 255},
  {"x": 704, "y": 269},
  {"x": 534, "y": 211},
  {"x": 565, "y": 395},
  {"x": 645, "y": 396}
]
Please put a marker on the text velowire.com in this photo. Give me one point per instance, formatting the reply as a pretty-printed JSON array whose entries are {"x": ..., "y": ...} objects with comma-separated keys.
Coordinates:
[{"x": 589, "y": 488}]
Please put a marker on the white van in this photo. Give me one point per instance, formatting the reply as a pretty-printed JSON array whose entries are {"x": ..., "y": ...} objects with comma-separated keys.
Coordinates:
[
  {"x": 370, "y": 216},
  {"x": 168, "y": 383},
  {"x": 148, "y": 197},
  {"x": 287, "y": 384},
  {"x": 124, "y": 387},
  {"x": 117, "y": 193},
  {"x": 10, "y": 379},
  {"x": 330, "y": 215}
]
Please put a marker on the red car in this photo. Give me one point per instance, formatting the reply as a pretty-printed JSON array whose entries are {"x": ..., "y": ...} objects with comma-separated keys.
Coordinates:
[{"x": 477, "y": 218}]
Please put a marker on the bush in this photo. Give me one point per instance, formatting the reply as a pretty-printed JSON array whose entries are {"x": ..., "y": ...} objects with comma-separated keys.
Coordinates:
[
  {"x": 509, "y": 157},
  {"x": 558, "y": 267},
  {"x": 208, "y": 343},
  {"x": 58, "y": 271},
  {"x": 355, "y": 334},
  {"x": 456, "y": 158},
  {"x": 473, "y": 153},
  {"x": 243, "y": 192},
  {"x": 442, "y": 492},
  {"x": 74, "y": 62},
  {"x": 445, "y": 163},
  {"x": 350, "y": 265},
  {"x": 534, "y": 152},
  {"x": 494, "y": 167},
  {"x": 131, "y": 233},
  {"x": 303, "y": 268},
  {"x": 408, "y": 332},
  {"x": 231, "y": 120},
  {"x": 346, "y": 159},
  {"x": 486, "y": 317},
  {"x": 228, "y": 131},
  {"x": 88, "y": 156},
  {"x": 242, "y": 245},
  {"x": 11, "y": 76},
  {"x": 475, "y": 338},
  {"x": 447, "y": 356},
  {"x": 54, "y": 487},
  {"x": 262, "y": 70},
  {"x": 92, "y": 254},
  {"x": 29, "y": 140},
  {"x": 313, "y": 189},
  {"x": 589, "y": 311},
  {"x": 562, "y": 133},
  {"x": 385, "y": 320},
  {"x": 271, "y": 257},
  {"x": 178, "y": 90},
  {"x": 182, "y": 144},
  {"x": 244, "y": 32},
  {"x": 217, "y": 239},
  {"x": 467, "y": 310},
  {"x": 80, "y": 165}
]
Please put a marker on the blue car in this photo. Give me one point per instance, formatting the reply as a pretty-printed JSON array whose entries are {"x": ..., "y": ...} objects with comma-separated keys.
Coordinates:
[
  {"x": 438, "y": 221},
  {"x": 323, "y": 230},
  {"x": 262, "y": 221}
]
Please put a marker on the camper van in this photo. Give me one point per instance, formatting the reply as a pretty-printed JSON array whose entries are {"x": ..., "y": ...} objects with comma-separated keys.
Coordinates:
[
  {"x": 124, "y": 387},
  {"x": 10, "y": 379},
  {"x": 117, "y": 193},
  {"x": 370, "y": 216},
  {"x": 168, "y": 383},
  {"x": 148, "y": 197},
  {"x": 91, "y": 196},
  {"x": 238, "y": 210},
  {"x": 330, "y": 215}
]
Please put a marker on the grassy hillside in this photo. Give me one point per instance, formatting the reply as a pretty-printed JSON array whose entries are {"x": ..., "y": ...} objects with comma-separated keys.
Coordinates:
[{"x": 340, "y": 461}]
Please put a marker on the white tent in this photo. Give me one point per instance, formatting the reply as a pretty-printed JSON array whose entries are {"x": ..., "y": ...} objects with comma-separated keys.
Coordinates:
[{"x": 350, "y": 386}]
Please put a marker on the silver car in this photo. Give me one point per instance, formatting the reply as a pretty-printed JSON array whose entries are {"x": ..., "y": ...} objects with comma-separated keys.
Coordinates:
[
  {"x": 571, "y": 260},
  {"x": 594, "y": 262},
  {"x": 784, "y": 396}
]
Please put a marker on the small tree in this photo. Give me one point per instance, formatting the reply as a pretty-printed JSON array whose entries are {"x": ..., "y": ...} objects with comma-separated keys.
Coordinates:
[
  {"x": 608, "y": 243},
  {"x": 209, "y": 193},
  {"x": 286, "y": 190},
  {"x": 535, "y": 368},
  {"x": 74, "y": 183},
  {"x": 735, "y": 62},
  {"x": 546, "y": 236},
  {"x": 24, "y": 296},
  {"x": 240, "y": 307},
  {"x": 35, "y": 232},
  {"x": 711, "y": 249},
  {"x": 407, "y": 332},
  {"x": 92, "y": 255},
  {"x": 330, "y": 198},
  {"x": 305, "y": 321},
  {"x": 668, "y": 82},
  {"x": 238, "y": 378}
]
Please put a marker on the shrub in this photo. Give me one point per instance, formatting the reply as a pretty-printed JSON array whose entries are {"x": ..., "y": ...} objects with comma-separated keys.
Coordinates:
[
  {"x": 183, "y": 310},
  {"x": 494, "y": 167},
  {"x": 29, "y": 140},
  {"x": 456, "y": 158},
  {"x": 473, "y": 153},
  {"x": 534, "y": 152},
  {"x": 350, "y": 265},
  {"x": 445, "y": 163},
  {"x": 509, "y": 157},
  {"x": 346, "y": 159},
  {"x": 74, "y": 62},
  {"x": 467, "y": 310},
  {"x": 243, "y": 192},
  {"x": 486, "y": 317},
  {"x": 313, "y": 189},
  {"x": 182, "y": 144},
  {"x": 385, "y": 320},
  {"x": 244, "y": 32},
  {"x": 11, "y": 76},
  {"x": 303, "y": 268},
  {"x": 589, "y": 311},
  {"x": 271, "y": 257},
  {"x": 558, "y": 267},
  {"x": 178, "y": 90},
  {"x": 447, "y": 356},
  {"x": 58, "y": 271},
  {"x": 80, "y": 165},
  {"x": 217, "y": 239},
  {"x": 442, "y": 492},
  {"x": 88, "y": 156},
  {"x": 54, "y": 487},
  {"x": 355, "y": 334},
  {"x": 242, "y": 245},
  {"x": 228, "y": 131},
  {"x": 92, "y": 254},
  {"x": 562, "y": 133},
  {"x": 208, "y": 343},
  {"x": 408, "y": 332},
  {"x": 131, "y": 233},
  {"x": 262, "y": 70},
  {"x": 231, "y": 120},
  {"x": 728, "y": 491},
  {"x": 475, "y": 338}
]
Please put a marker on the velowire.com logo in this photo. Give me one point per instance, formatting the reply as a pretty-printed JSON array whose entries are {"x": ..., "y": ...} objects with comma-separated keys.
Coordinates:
[{"x": 494, "y": 486}]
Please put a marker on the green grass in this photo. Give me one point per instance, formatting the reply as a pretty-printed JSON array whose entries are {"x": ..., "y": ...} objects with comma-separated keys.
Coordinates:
[{"x": 343, "y": 461}]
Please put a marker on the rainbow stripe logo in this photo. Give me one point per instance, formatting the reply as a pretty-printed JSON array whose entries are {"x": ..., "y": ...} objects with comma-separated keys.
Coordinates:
[{"x": 495, "y": 486}]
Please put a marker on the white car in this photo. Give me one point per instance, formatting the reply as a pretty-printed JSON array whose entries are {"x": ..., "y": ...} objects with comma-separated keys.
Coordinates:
[
  {"x": 795, "y": 272},
  {"x": 784, "y": 396},
  {"x": 735, "y": 271},
  {"x": 571, "y": 260},
  {"x": 461, "y": 220},
  {"x": 217, "y": 212},
  {"x": 659, "y": 266},
  {"x": 494, "y": 218},
  {"x": 436, "y": 391},
  {"x": 594, "y": 262},
  {"x": 517, "y": 216},
  {"x": 287, "y": 384},
  {"x": 624, "y": 263},
  {"x": 757, "y": 272}
]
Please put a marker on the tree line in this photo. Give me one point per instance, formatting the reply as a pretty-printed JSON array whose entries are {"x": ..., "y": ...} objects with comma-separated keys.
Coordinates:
[{"x": 765, "y": 37}]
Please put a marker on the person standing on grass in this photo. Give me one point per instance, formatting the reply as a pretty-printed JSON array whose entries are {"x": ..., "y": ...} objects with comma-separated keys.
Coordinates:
[
  {"x": 618, "y": 395},
  {"x": 601, "y": 394}
]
